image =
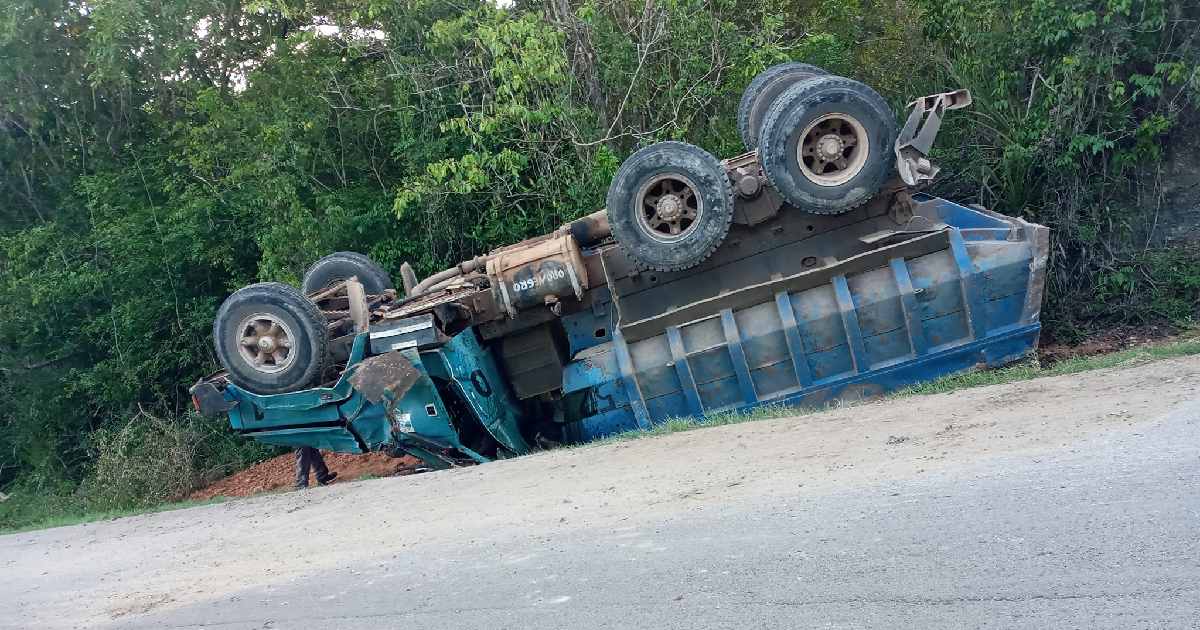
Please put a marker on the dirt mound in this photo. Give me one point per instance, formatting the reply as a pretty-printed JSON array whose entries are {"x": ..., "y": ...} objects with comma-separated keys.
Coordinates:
[
  {"x": 1107, "y": 341},
  {"x": 280, "y": 472}
]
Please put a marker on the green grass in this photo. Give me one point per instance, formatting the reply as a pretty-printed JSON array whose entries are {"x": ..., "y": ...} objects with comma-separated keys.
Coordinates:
[
  {"x": 1030, "y": 370},
  {"x": 1021, "y": 372},
  {"x": 37, "y": 519},
  {"x": 675, "y": 425}
]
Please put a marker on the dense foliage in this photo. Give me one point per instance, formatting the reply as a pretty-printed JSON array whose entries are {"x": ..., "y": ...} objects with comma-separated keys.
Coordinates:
[{"x": 154, "y": 156}]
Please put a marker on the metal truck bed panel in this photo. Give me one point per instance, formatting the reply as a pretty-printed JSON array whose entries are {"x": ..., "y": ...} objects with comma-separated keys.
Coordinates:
[{"x": 964, "y": 297}]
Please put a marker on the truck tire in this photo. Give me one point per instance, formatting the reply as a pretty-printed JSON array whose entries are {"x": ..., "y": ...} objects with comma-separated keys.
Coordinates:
[
  {"x": 763, "y": 91},
  {"x": 670, "y": 205},
  {"x": 270, "y": 338},
  {"x": 335, "y": 268},
  {"x": 827, "y": 144}
]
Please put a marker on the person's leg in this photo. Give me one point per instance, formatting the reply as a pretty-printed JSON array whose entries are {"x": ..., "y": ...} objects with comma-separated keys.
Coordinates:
[
  {"x": 318, "y": 465},
  {"x": 303, "y": 462},
  {"x": 320, "y": 469}
]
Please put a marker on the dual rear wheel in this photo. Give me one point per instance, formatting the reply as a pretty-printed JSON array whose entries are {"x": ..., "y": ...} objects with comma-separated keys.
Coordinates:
[{"x": 824, "y": 142}]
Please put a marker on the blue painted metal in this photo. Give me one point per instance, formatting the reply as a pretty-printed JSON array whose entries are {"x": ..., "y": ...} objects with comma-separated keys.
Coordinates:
[
  {"x": 594, "y": 402},
  {"x": 473, "y": 369},
  {"x": 587, "y": 329},
  {"x": 679, "y": 356},
  {"x": 338, "y": 418},
  {"x": 957, "y": 306},
  {"x": 970, "y": 284},
  {"x": 796, "y": 347},
  {"x": 964, "y": 298},
  {"x": 637, "y": 403},
  {"x": 740, "y": 369},
  {"x": 912, "y": 318},
  {"x": 421, "y": 410},
  {"x": 850, "y": 320}
]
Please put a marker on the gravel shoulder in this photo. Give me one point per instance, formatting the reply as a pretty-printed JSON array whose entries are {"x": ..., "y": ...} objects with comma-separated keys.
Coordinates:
[{"x": 101, "y": 572}]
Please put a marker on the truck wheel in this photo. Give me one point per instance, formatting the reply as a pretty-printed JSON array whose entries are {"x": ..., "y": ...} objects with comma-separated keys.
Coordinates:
[
  {"x": 827, "y": 144},
  {"x": 341, "y": 266},
  {"x": 670, "y": 205},
  {"x": 763, "y": 91},
  {"x": 270, "y": 337}
]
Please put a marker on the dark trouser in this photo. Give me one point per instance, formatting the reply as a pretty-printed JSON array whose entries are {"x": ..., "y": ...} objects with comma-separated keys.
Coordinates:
[{"x": 309, "y": 457}]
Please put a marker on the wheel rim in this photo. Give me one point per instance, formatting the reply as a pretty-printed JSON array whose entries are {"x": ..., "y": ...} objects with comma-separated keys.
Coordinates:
[
  {"x": 833, "y": 149},
  {"x": 668, "y": 207},
  {"x": 334, "y": 280},
  {"x": 265, "y": 343}
]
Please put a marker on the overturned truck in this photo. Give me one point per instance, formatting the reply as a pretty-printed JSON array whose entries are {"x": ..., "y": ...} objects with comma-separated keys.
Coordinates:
[{"x": 803, "y": 272}]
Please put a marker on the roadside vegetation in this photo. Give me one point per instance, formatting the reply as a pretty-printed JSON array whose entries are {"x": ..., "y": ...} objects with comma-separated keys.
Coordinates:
[{"x": 156, "y": 156}]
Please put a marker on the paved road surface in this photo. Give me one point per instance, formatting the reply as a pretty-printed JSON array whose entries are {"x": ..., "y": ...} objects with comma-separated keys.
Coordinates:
[{"x": 1099, "y": 534}]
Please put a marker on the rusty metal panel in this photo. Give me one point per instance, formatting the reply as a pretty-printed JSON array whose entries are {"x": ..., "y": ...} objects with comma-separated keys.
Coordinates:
[
  {"x": 595, "y": 402},
  {"x": 1004, "y": 313},
  {"x": 831, "y": 364},
  {"x": 389, "y": 372},
  {"x": 665, "y": 407},
  {"x": 711, "y": 365},
  {"x": 534, "y": 360},
  {"x": 1039, "y": 237},
  {"x": 772, "y": 380},
  {"x": 648, "y": 302},
  {"x": 636, "y": 401},
  {"x": 1003, "y": 267},
  {"x": 721, "y": 394},
  {"x": 887, "y": 348},
  {"x": 587, "y": 329}
]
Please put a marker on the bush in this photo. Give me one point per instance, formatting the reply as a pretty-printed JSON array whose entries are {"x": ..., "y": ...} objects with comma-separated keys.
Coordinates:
[{"x": 150, "y": 459}]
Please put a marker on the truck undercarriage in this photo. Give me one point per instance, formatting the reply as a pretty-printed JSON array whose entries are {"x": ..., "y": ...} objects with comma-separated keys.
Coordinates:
[{"x": 796, "y": 273}]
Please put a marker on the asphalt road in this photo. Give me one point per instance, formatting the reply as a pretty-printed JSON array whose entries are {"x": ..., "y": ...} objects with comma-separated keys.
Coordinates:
[{"x": 1093, "y": 534}]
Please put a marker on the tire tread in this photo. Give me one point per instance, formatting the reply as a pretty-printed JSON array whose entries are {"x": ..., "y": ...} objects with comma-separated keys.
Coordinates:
[{"x": 620, "y": 189}]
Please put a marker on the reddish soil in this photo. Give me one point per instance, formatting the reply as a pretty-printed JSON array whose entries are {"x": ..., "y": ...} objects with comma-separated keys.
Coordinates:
[
  {"x": 280, "y": 472},
  {"x": 1106, "y": 342}
]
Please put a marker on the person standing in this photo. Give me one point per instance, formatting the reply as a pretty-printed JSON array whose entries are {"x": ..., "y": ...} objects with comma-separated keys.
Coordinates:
[{"x": 309, "y": 457}]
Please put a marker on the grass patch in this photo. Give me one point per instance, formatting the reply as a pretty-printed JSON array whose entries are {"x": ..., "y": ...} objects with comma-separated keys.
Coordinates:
[
  {"x": 1031, "y": 370},
  {"x": 675, "y": 425},
  {"x": 69, "y": 517},
  {"x": 1022, "y": 372}
]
